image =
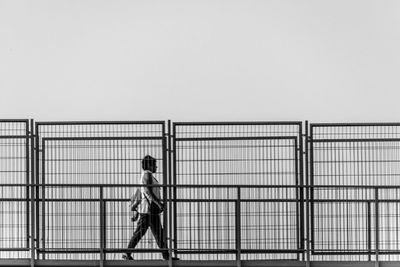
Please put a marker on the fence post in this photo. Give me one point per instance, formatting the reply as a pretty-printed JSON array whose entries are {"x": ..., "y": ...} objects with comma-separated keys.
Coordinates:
[
  {"x": 32, "y": 192},
  {"x": 369, "y": 230},
  {"x": 43, "y": 200},
  {"x": 168, "y": 205},
  {"x": 376, "y": 227},
  {"x": 300, "y": 181},
  {"x": 102, "y": 225},
  {"x": 169, "y": 195},
  {"x": 32, "y": 244},
  {"x": 173, "y": 156},
  {"x": 36, "y": 178},
  {"x": 307, "y": 207},
  {"x": 307, "y": 239},
  {"x": 238, "y": 228}
]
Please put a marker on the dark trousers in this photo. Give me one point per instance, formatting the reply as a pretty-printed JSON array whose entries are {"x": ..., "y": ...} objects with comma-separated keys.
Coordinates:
[{"x": 152, "y": 220}]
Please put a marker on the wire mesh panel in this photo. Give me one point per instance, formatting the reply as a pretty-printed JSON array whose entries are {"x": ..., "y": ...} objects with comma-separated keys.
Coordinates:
[
  {"x": 206, "y": 222},
  {"x": 92, "y": 153},
  {"x": 388, "y": 224},
  {"x": 343, "y": 221},
  {"x": 269, "y": 222},
  {"x": 350, "y": 154},
  {"x": 94, "y": 130},
  {"x": 75, "y": 161},
  {"x": 70, "y": 222},
  {"x": 354, "y": 130},
  {"x": 14, "y": 200},
  {"x": 212, "y": 154}
]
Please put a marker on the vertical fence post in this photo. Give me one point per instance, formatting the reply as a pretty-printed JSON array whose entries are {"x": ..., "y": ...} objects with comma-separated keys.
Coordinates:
[
  {"x": 173, "y": 157},
  {"x": 27, "y": 181},
  {"x": 311, "y": 188},
  {"x": 369, "y": 230},
  {"x": 32, "y": 192},
  {"x": 164, "y": 189},
  {"x": 102, "y": 225},
  {"x": 32, "y": 245},
  {"x": 37, "y": 182},
  {"x": 169, "y": 237},
  {"x": 238, "y": 228},
  {"x": 307, "y": 207},
  {"x": 307, "y": 227},
  {"x": 300, "y": 176},
  {"x": 169, "y": 196},
  {"x": 376, "y": 227},
  {"x": 43, "y": 200}
]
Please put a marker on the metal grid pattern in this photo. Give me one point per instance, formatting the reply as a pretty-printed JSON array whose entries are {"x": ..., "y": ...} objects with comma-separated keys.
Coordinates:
[
  {"x": 237, "y": 154},
  {"x": 93, "y": 161},
  {"x": 354, "y": 130},
  {"x": 356, "y": 162},
  {"x": 206, "y": 222},
  {"x": 270, "y": 221},
  {"x": 96, "y": 131},
  {"x": 14, "y": 203},
  {"x": 236, "y": 188},
  {"x": 14, "y": 127},
  {"x": 100, "y": 129},
  {"x": 352, "y": 155},
  {"x": 70, "y": 223},
  {"x": 236, "y": 129},
  {"x": 93, "y": 130},
  {"x": 91, "y": 153},
  {"x": 244, "y": 161},
  {"x": 388, "y": 225},
  {"x": 343, "y": 224}
]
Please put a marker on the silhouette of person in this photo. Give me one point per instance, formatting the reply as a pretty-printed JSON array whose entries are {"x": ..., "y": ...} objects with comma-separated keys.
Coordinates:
[{"x": 149, "y": 208}]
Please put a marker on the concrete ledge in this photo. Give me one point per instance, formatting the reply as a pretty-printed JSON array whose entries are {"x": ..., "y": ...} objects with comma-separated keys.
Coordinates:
[
  {"x": 15, "y": 262},
  {"x": 183, "y": 263},
  {"x": 343, "y": 264}
]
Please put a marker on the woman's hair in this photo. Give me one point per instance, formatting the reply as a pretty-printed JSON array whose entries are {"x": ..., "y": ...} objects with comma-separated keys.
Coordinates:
[{"x": 148, "y": 161}]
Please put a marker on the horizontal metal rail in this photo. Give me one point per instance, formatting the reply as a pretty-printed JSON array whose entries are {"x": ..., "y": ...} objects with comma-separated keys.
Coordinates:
[{"x": 370, "y": 200}]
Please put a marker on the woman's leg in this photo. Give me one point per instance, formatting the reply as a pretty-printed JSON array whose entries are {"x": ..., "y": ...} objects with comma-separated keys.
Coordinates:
[
  {"x": 158, "y": 233},
  {"x": 141, "y": 229}
]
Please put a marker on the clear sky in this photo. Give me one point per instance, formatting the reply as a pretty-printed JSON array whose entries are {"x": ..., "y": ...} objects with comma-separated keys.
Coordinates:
[{"x": 325, "y": 61}]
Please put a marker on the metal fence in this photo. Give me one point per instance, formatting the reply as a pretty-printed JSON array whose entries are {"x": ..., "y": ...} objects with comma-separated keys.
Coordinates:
[
  {"x": 15, "y": 213},
  {"x": 85, "y": 221},
  {"x": 238, "y": 153},
  {"x": 91, "y": 153},
  {"x": 233, "y": 191},
  {"x": 355, "y": 221}
]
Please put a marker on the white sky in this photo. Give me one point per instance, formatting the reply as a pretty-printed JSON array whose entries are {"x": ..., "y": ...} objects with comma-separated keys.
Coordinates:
[{"x": 325, "y": 61}]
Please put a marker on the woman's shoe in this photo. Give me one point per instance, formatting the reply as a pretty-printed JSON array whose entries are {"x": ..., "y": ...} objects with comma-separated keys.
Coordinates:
[{"x": 127, "y": 257}]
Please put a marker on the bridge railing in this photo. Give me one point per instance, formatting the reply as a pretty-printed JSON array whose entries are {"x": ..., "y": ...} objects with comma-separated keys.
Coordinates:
[
  {"x": 93, "y": 221},
  {"x": 220, "y": 222}
]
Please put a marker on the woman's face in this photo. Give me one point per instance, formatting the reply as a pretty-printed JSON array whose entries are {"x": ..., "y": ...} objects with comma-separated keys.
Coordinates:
[{"x": 153, "y": 167}]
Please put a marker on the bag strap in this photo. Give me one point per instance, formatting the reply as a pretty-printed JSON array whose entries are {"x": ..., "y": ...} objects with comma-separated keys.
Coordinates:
[
  {"x": 147, "y": 199},
  {"x": 151, "y": 190}
]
